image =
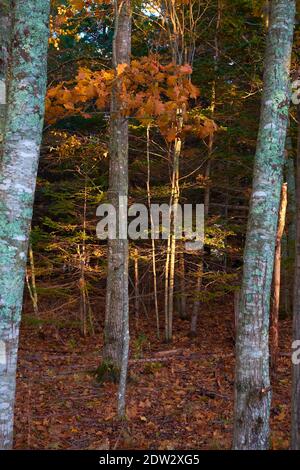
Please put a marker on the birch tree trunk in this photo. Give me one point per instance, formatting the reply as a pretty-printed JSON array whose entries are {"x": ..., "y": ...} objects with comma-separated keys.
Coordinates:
[
  {"x": 296, "y": 319},
  {"x": 116, "y": 316},
  {"x": 252, "y": 384},
  {"x": 173, "y": 244},
  {"x": 5, "y": 32},
  {"x": 18, "y": 170}
]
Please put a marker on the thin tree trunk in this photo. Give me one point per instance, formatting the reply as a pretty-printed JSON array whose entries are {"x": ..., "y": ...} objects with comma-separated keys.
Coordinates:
[
  {"x": 136, "y": 285},
  {"x": 212, "y": 108},
  {"x": 266, "y": 13},
  {"x": 167, "y": 266},
  {"x": 175, "y": 201},
  {"x": 274, "y": 334},
  {"x": 207, "y": 175},
  {"x": 252, "y": 383},
  {"x": 31, "y": 284},
  {"x": 86, "y": 313},
  {"x": 153, "y": 248},
  {"x": 18, "y": 170},
  {"x": 118, "y": 250},
  {"x": 296, "y": 320},
  {"x": 182, "y": 297},
  {"x": 116, "y": 332},
  {"x": 285, "y": 289},
  {"x": 167, "y": 275}
]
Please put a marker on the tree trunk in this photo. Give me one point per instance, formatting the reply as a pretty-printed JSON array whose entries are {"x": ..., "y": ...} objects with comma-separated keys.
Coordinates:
[
  {"x": 5, "y": 32},
  {"x": 31, "y": 284},
  {"x": 18, "y": 170},
  {"x": 266, "y": 12},
  {"x": 153, "y": 247},
  {"x": 182, "y": 298},
  {"x": 276, "y": 279},
  {"x": 173, "y": 244},
  {"x": 285, "y": 281},
  {"x": 212, "y": 109},
  {"x": 136, "y": 285},
  {"x": 252, "y": 384},
  {"x": 116, "y": 315},
  {"x": 296, "y": 319},
  {"x": 197, "y": 302}
]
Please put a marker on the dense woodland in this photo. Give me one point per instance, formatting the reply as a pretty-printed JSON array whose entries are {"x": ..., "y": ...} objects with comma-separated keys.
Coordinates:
[{"x": 143, "y": 344}]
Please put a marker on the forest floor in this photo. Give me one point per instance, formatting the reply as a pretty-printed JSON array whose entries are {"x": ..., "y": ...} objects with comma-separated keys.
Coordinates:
[{"x": 180, "y": 396}]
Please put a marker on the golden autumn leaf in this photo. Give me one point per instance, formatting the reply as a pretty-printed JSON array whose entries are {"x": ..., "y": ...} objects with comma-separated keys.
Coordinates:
[
  {"x": 121, "y": 68},
  {"x": 78, "y": 4},
  {"x": 108, "y": 75}
]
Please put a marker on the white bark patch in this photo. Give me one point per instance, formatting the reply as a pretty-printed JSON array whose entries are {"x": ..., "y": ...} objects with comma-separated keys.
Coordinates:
[
  {"x": 3, "y": 359},
  {"x": 271, "y": 125},
  {"x": 23, "y": 188},
  {"x": 2, "y": 92},
  {"x": 5, "y": 184},
  {"x": 20, "y": 238},
  {"x": 259, "y": 194},
  {"x": 26, "y": 148},
  {"x": 4, "y": 406}
]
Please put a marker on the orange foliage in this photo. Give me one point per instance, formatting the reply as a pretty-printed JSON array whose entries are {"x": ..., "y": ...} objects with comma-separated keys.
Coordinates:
[{"x": 148, "y": 91}]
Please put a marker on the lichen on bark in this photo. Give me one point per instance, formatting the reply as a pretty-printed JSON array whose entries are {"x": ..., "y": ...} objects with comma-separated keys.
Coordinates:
[
  {"x": 18, "y": 170},
  {"x": 252, "y": 389}
]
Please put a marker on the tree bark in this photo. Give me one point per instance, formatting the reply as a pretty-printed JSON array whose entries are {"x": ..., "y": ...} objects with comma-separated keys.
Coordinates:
[
  {"x": 266, "y": 13},
  {"x": 182, "y": 298},
  {"x": 31, "y": 282},
  {"x": 296, "y": 310},
  {"x": 173, "y": 241},
  {"x": 252, "y": 383},
  {"x": 136, "y": 285},
  {"x": 18, "y": 170},
  {"x": 116, "y": 317},
  {"x": 207, "y": 192}
]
